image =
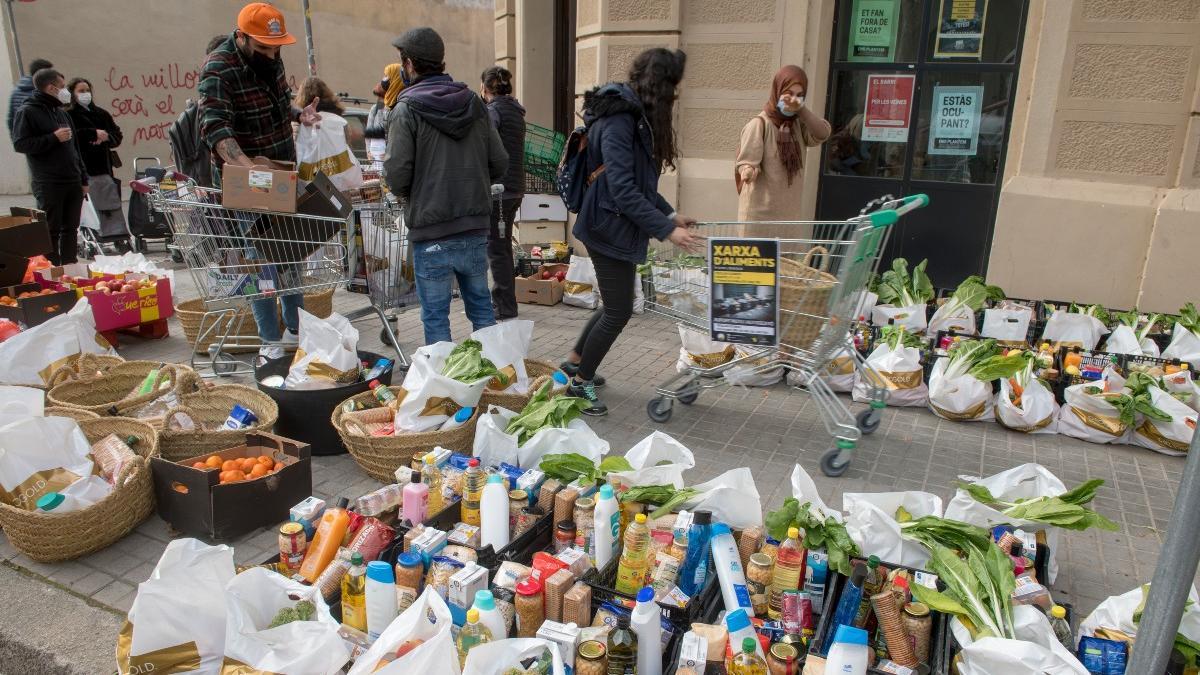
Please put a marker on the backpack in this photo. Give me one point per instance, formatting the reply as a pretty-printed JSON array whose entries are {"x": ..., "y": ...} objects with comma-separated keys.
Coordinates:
[{"x": 573, "y": 179}]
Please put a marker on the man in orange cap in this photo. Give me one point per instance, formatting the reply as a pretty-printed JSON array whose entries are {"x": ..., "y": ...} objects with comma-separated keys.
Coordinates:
[{"x": 245, "y": 112}]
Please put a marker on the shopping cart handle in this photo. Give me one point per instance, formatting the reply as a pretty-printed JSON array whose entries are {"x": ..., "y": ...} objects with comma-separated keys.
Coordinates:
[
  {"x": 883, "y": 218},
  {"x": 180, "y": 177},
  {"x": 912, "y": 202},
  {"x": 143, "y": 185}
]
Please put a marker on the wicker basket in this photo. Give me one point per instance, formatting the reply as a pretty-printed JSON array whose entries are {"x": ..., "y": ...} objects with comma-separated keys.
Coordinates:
[
  {"x": 109, "y": 393},
  {"x": 86, "y": 363},
  {"x": 380, "y": 456},
  {"x": 208, "y": 409},
  {"x": 74, "y": 413},
  {"x": 191, "y": 313},
  {"x": 803, "y": 298},
  {"x": 319, "y": 304},
  {"x": 51, "y": 537},
  {"x": 539, "y": 373}
]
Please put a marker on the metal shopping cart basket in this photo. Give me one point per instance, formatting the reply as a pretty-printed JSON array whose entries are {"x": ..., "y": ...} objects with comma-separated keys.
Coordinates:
[
  {"x": 821, "y": 279},
  {"x": 237, "y": 256}
]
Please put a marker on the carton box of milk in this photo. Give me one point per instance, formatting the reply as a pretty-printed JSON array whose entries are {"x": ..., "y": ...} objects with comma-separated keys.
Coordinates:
[{"x": 463, "y": 586}]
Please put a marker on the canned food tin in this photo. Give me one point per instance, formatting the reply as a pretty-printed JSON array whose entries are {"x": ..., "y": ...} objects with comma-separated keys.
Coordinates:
[{"x": 292, "y": 545}]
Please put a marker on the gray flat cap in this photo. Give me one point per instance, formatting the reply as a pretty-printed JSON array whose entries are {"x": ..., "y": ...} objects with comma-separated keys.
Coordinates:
[{"x": 422, "y": 43}]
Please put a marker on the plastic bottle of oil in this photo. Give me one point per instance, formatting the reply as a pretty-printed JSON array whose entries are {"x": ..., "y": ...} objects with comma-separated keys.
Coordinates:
[
  {"x": 354, "y": 594},
  {"x": 789, "y": 571},
  {"x": 748, "y": 662},
  {"x": 473, "y": 481},
  {"x": 631, "y": 570},
  {"x": 432, "y": 478},
  {"x": 472, "y": 635}
]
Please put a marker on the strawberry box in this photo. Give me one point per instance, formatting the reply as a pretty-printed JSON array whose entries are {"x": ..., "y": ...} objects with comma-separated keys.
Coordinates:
[
  {"x": 39, "y": 304},
  {"x": 143, "y": 301}
]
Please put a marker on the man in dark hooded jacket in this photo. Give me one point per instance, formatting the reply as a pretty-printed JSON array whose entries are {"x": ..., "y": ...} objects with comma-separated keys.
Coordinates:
[
  {"x": 23, "y": 90},
  {"x": 443, "y": 155}
]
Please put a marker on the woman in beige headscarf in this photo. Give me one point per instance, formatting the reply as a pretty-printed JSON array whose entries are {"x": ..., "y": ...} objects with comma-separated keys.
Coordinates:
[
  {"x": 386, "y": 92},
  {"x": 769, "y": 170}
]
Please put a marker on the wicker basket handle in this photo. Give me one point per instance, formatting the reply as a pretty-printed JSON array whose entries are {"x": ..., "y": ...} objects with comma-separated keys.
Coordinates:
[
  {"x": 180, "y": 410},
  {"x": 126, "y": 473},
  {"x": 824, "y": 253},
  {"x": 88, "y": 366},
  {"x": 62, "y": 374}
]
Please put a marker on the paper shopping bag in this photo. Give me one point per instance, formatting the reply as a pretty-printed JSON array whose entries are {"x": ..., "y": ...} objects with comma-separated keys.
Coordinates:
[
  {"x": 506, "y": 345},
  {"x": 429, "y": 398},
  {"x": 39, "y": 455},
  {"x": 499, "y": 657},
  {"x": 328, "y": 353},
  {"x": 417, "y": 641}
]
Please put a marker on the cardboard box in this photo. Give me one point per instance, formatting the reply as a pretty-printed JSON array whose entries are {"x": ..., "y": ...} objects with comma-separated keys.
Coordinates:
[
  {"x": 195, "y": 502},
  {"x": 39, "y": 309},
  {"x": 267, "y": 186},
  {"x": 291, "y": 239},
  {"x": 122, "y": 310},
  {"x": 535, "y": 290},
  {"x": 322, "y": 198},
  {"x": 82, "y": 278},
  {"x": 22, "y": 236}
]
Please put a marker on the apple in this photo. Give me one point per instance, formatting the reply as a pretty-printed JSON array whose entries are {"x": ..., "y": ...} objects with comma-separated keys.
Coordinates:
[
  {"x": 127, "y": 288},
  {"x": 546, "y": 274},
  {"x": 561, "y": 275}
]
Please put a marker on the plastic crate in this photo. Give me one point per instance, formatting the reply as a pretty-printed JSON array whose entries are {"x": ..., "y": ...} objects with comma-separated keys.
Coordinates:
[
  {"x": 541, "y": 177},
  {"x": 603, "y": 585},
  {"x": 542, "y": 145},
  {"x": 1131, "y": 363}
]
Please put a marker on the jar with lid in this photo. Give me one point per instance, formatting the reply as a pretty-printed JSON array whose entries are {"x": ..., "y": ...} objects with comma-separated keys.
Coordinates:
[
  {"x": 531, "y": 612},
  {"x": 564, "y": 536},
  {"x": 409, "y": 571},
  {"x": 585, "y": 523},
  {"x": 591, "y": 659},
  {"x": 759, "y": 572},
  {"x": 918, "y": 623},
  {"x": 418, "y": 460},
  {"x": 784, "y": 659},
  {"x": 517, "y": 500}
]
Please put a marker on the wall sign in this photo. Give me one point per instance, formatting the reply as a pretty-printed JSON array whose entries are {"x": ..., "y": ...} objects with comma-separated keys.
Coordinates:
[
  {"x": 744, "y": 305},
  {"x": 872, "y": 31},
  {"x": 960, "y": 29},
  {"x": 954, "y": 120},
  {"x": 888, "y": 107}
]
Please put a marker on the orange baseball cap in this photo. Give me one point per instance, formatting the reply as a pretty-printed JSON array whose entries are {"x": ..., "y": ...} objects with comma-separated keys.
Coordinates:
[{"x": 264, "y": 23}]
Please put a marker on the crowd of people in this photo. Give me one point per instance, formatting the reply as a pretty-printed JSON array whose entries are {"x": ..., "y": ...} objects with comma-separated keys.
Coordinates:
[{"x": 444, "y": 146}]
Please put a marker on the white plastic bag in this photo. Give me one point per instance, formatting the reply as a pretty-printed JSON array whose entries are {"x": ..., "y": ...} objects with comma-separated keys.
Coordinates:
[
  {"x": 962, "y": 399},
  {"x": 32, "y": 356},
  {"x": 39, "y": 455},
  {"x": 177, "y": 620},
  {"x": 426, "y": 622},
  {"x": 871, "y": 523},
  {"x": 494, "y": 445},
  {"x": 639, "y": 296},
  {"x": 1116, "y": 613},
  {"x": 1027, "y": 481},
  {"x": 864, "y": 302},
  {"x": 1090, "y": 417},
  {"x": 1185, "y": 346},
  {"x": 506, "y": 345},
  {"x": 88, "y": 218},
  {"x": 1007, "y": 325},
  {"x": 804, "y": 489},
  {"x": 130, "y": 262},
  {"x": 1170, "y": 438},
  {"x": 1037, "y": 414},
  {"x": 911, "y": 317},
  {"x": 657, "y": 459},
  {"x": 1182, "y": 384},
  {"x": 952, "y": 316},
  {"x": 430, "y": 398},
  {"x": 759, "y": 372},
  {"x": 1036, "y": 651},
  {"x": 698, "y": 350},
  {"x": 732, "y": 497},
  {"x": 1123, "y": 341},
  {"x": 579, "y": 288},
  {"x": 328, "y": 353},
  {"x": 21, "y": 401},
  {"x": 323, "y": 147},
  {"x": 1073, "y": 328},
  {"x": 495, "y": 658},
  {"x": 901, "y": 371}
]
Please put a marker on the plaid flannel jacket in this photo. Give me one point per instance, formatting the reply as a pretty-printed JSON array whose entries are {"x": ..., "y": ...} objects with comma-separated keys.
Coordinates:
[{"x": 236, "y": 103}]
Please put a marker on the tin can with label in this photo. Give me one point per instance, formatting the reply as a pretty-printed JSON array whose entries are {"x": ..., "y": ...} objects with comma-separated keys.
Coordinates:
[{"x": 292, "y": 545}]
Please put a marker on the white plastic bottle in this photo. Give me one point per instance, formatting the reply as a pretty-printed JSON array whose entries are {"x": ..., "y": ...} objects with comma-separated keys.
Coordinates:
[
  {"x": 738, "y": 624},
  {"x": 489, "y": 615},
  {"x": 608, "y": 526},
  {"x": 729, "y": 570},
  {"x": 848, "y": 655},
  {"x": 646, "y": 622},
  {"x": 381, "y": 597},
  {"x": 493, "y": 515},
  {"x": 459, "y": 418}
]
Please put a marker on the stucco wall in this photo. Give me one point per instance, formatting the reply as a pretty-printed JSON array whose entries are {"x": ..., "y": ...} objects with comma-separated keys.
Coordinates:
[{"x": 142, "y": 57}]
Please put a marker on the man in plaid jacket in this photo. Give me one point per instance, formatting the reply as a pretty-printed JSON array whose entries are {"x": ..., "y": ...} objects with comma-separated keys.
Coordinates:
[{"x": 246, "y": 112}]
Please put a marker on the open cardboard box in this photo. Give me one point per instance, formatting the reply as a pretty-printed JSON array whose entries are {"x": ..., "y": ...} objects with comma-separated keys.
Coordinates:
[
  {"x": 23, "y": 234},
  {"x": 267, "y": 186},
  {"x": 38, "y": 309},
  {"x": 535, "y": 290},
  {"x": 195, "y": 502}
]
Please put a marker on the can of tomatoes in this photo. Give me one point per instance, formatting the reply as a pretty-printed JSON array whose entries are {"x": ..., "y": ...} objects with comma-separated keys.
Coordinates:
[{"x": 292, "y": 545}]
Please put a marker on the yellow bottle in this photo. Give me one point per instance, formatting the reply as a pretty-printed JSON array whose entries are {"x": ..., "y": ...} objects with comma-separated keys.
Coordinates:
[
  {"x": 433, "y": 479},
  {"x": 635, "y": 557},
  {"x": 354, "y": 594},
  {"x": 473, "y": 481}
]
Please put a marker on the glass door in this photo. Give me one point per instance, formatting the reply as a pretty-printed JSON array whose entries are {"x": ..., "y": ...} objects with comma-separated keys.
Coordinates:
[{"x": 919, "y": 99}]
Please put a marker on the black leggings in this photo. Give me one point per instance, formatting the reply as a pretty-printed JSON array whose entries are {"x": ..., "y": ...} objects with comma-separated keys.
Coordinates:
[{"x": 615, "y": 279}]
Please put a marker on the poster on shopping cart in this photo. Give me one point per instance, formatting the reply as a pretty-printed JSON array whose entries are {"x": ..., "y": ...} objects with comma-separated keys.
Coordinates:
[{"x": 743, "y": 307}]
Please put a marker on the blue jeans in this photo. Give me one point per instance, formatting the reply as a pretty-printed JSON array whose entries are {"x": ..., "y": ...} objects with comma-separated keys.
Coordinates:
[
  {"x": 437, "y": 264},
  {"x": 267, "y": 318}
]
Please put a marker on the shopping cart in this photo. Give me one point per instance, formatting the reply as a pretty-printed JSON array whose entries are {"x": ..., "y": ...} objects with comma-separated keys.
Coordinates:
[
  {"x": 821, "y": 280},
  {"x": 237, "y": 256}
]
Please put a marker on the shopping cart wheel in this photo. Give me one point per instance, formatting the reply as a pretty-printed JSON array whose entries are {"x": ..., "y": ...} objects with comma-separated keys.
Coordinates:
[
  {"x": 688, "y": 399},
  {"x": 659, "y": 409},
  {"x": 224, "y": 364},
  {"x": 868, "y": 420},
  {"x": 830, "y": 465}
]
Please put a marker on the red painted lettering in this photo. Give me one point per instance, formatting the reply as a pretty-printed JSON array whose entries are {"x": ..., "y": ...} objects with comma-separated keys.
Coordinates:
[{"x": 117, "y": 83}]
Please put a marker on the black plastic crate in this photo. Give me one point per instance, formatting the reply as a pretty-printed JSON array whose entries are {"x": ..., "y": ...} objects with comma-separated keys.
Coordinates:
[
  {"x": 603, "y": 585},
  {"x": 1131, "y": 364},
  {"x": 1094, "y": 362},
  {"x": 521, "y": 549}
]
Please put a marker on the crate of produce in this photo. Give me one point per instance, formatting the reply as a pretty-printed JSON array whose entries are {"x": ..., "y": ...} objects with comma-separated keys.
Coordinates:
[
  {"x": 1151, "y": 365},
  {"x": 32, "y": 305},
  {"x": 136, "y": 299},
  {"x": 521, "y": 549}
]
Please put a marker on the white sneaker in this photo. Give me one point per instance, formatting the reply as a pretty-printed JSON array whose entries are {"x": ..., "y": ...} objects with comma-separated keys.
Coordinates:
[
  {"x": 290, "y": 340},
  {"x": 271, "y": 352}
]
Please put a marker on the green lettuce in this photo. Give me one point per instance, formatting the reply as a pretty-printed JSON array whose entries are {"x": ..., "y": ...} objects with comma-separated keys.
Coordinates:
[
  {"x": 467, "y": 364},
  {"x": 979, "y": 588},
  {"x": 1096, "y": 311},
  {"x": 1067, "y": 510},
  {"x": 1189, "y": 318},
  {"x": 825, "y": 534},
  {"x": 933, "y": 531},
  {"x": 897, "y": 336},
  {"x": 899, "y": 288},
  {"x": 972, "y": 293},
  {"x": 543, "y": 412}
]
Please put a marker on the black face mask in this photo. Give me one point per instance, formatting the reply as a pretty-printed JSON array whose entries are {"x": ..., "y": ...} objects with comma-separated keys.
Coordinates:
[{"x": 263, "y": 66}]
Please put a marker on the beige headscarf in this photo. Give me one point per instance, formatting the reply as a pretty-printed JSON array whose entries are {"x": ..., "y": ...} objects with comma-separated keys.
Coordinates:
[{"x": 395, "y": 84}]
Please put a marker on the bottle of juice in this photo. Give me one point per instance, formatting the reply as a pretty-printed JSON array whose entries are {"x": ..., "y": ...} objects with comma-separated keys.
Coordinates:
[
  {"x": 631, "y": 570},
  {"x": 471, "y": 635},
  {"x": 622, "y": 649},
  {"x": 788, "y": 573},
  {"x": 432, "y": 478},
  {"x": 325, "y": 542},
  {"x": 748, "y": 662},
  {"x": 354, "y": 594},
  {"x": 473, "y": 482},
  {"x": 384, "y": 395}
]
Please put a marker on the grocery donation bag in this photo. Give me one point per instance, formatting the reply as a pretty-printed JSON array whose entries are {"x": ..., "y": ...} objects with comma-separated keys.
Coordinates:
[
  {"x": 698, "y": 350},
  {"x": 657, "y": 459},
  {"x": 911, "y": 317},
  {"x": 33, "y": 355},
  {"x": 901, "y": 372},
  {"x": 1036, "y": 651},
  {"x": 732, "y": 498},
  {"x": 580, "y": 287},
  {"x": 758, "y": 369},
  {"x": 1124, "y": 340},
  {"x": 952, "y": 316},
  {"x": 1185, "y": 346},
  {"x": 1007, "y": 323},
  {"x": 39, "y": 455},
  {"x": 493, "y": 444},
  {"x": 327, "y": 355},
  {"x": 1032, "y": 411},
  {"x": 276, "y": 625},
  {"x": 1117, "y": 612},
  {"x": 872, "y": 525},
  {"x": 1073, "y": 328},
  {"x": 323, "y": 147},
  {"x": 428, "y": 398},
  {"x": 177, "y": 620},
  {"x": 1172, "y": 437},
  {"x": 961, "y": 398},
  {"x": 418, "y": 641},
  {"x": 1088, "y": 414},
  {"x": 506, "y": 345},
  {"x": 503, "y": 656}
]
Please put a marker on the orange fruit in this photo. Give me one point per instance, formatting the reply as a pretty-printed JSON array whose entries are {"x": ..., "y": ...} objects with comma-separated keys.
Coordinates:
[
  {"x": 237, "y": 476},
  {"x": 223, "y": 477},
  {"x": 278, "y": 466},
  {"x": 199, "y": 465},
  {"x": 230, "y": 465},
  {"x": 258, "y": 471},
  {"x": 249, "y": 463},
  {"x": 213, "y": 461},
  {"x": 266, "y": 459}
]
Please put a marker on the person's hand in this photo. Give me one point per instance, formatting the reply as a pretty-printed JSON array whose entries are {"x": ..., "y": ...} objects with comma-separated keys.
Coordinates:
[
  {"x": 687, "y": 239},
  {"x": 85, "y": 192},
  {"x": 748, "y": 173},
  {"x": 309, "y": 115},
  {"x": 101, "y": 137},
  {"x": 681, "y": 220},
  {"x": 792, "y": 104},
  {"x": 63, "y": 134}
]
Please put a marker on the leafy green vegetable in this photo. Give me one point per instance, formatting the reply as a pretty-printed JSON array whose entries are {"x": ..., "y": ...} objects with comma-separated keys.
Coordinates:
[
  {"x": 1066, "y": 510},
  {"x": 972, "y": 293},
  {"x": 666, "y": 497},
  {"x": 998, "y": 367},
  {"x": 1129, "y": 318},
  {"x": 1135, "y": 399},
  {"x": 304, "y": 610},
  {"x": 467, "y": 364},
  {"x": 614, "y": 463},
  {"x": 1189, "y": 318},
  {"x": 897, "y": 336},
  {"x": 569, "y": 466},
  {"x": 1096, "y": 311},
  {"x": 902, "y": 515},
  {"x": 819, "y": 534},
  {"x": 979, "y": 588},
  {"x": 543, "y": 412},
  {"x": 933, "y": 531},
  {"x": 897, "y": 287}
]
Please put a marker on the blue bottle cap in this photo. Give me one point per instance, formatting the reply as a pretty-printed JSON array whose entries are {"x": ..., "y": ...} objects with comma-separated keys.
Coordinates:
[
  {"x": 850, "y": 635},
  {"x": 378, "y": 570},
  {"x": 410, "y": 559},
  {"x": 646, "y": 595},
  {"x": 737, "y": 620},
  {"x": 50, "y": 501},
  {"x": 559, "y": 377},
  {"x": 719, "y": 529},
  {"x": 495, "y": 478},
  {"x": 606, "y": 492},
  {"x": 485, "y": 601},
  {"x": 463, "y": 414}
]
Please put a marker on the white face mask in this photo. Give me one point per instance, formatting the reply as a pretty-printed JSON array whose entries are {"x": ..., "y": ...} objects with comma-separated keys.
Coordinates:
[
  {"x": 85, "y": 98},
  {"x": 64, "y": 96}
]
